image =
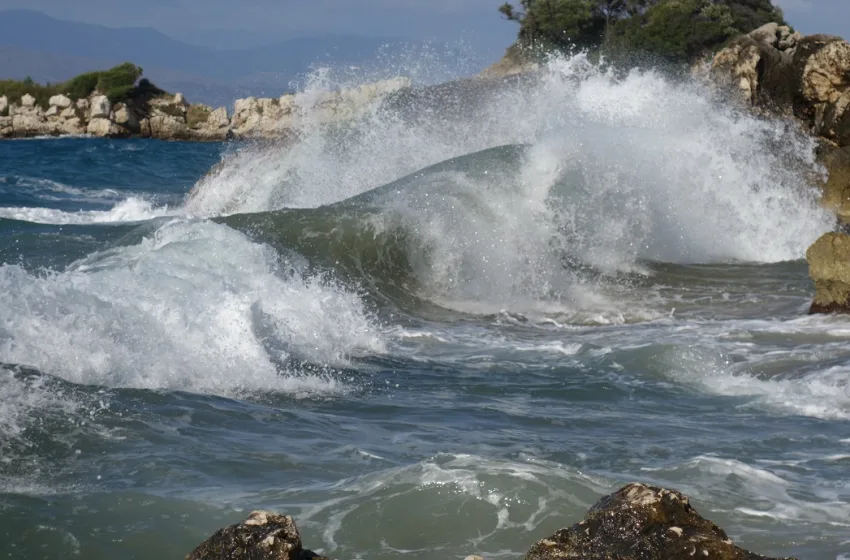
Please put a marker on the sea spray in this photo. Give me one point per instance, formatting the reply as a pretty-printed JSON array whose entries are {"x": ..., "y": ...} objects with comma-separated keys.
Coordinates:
[
  {"x": 195, "y": 306},
  {"x": 643, "y": 167}
]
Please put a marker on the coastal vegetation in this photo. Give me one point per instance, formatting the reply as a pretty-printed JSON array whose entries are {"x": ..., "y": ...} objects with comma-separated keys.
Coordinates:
[
  {"x": 670, "y": 30},
  {"x": 120, "y": 83}
]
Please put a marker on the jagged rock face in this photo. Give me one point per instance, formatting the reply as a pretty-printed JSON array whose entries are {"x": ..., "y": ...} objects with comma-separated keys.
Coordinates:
[
  {"x": 102, "y": 127},
  {"x": 100, "y": 107},
  {"x": 173, "y": 118},
  {"x": 836, "y": 190},
  {"x": 263, "y": 536},
  {"x": 783, "y": 72},
  {"x": 60, "y": 101},
  {"x": 641, "y": 522},
  {"x": 829, "y": 267},
  {"x": 27, "y": 100},
  {"x": 515, "y": 61}
]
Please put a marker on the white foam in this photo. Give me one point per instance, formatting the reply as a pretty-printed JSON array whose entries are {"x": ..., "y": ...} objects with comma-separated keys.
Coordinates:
[
  {"x": 621, "y": 169},
  {"x": 195, "y": 307},
  {"x": 824, "y": 393},
  {"x": 710, "y": 476},
  {"x": 129, "y": 210}
]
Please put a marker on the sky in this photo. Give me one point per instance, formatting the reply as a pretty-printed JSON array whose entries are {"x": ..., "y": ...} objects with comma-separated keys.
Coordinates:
[{"x": 245, "y": 23}]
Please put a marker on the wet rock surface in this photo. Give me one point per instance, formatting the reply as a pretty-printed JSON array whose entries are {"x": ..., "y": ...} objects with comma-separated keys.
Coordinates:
[
  {"x": 638, "y": 522},
  {"x": 829, "y": 267},
  {"x": 641, "y": 522},
  {"x": 263, "y": 536}
]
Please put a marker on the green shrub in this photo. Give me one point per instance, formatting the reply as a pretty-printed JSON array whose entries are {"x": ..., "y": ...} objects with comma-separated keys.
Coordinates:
[
  {"x": 122, "y": 76},
  {"x": 197, "y": 114},
  {"x": 117, "y": 83},
  {"x": 669, "y": 30},
  {"x": 14, "y": 91},
  {"x": 120, "y": 93},
  {"x": 82, "y": 86}
]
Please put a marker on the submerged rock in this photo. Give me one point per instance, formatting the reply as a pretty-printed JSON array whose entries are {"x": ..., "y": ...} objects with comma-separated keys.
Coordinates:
[
  {"x": 829, "y": 267},
  {"x": 641, "y": 522},
  {"x": 263, "y": 536}
]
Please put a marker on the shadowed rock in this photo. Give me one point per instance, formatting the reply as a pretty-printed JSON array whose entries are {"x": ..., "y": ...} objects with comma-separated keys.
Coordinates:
[
  {"x": 829, "y": 267},
  {"x": 263, "y": 536},
  {"x": 641, "y": 522}
]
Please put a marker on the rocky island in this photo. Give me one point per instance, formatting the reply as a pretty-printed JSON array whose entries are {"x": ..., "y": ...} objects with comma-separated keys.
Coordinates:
[{"x": 141, "y": 110}]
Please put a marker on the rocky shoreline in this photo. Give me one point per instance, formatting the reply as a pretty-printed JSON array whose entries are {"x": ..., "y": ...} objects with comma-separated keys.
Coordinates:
[
  {"x": 638, "y": 522},
  {"x": 778, "y": 72},
  {"x": 172, "y": 117}
]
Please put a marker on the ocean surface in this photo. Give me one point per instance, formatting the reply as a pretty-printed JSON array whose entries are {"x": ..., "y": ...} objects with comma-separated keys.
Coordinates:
[{"x": 442, "y": 329}]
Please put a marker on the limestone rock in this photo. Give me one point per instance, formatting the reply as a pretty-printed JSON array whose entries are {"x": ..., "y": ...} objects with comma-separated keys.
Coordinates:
[
  {"x": 53, "y": 111},
  {"x": 72, "y": 126},
  {"x": 167, "y": 127},
  {"x": 836, "y": 191},
  {"x": 206, "y": 124},
  {"x": 68, "y": 113},
  {"x": 29, "y": 124},
  {"x": 100, "y": 107},
  {"x": 4, "y": 105},
  {"x": 83, "y": 104},
  {"x": 826, "y": 75},
  {"x": 60, "y": 101},
  {"x": 263, "y": 536},
  {"x": 829, "y": 267},
  {"x": 515, "y": 61},
  {"x": 641, "y": 522},
  {"x": 757, "y": 72},
  {"x": 784, "y": 73},
  {"x": 6, "y": 129},
  {"x": 218, "y": 118},
  {"x": 27, "y": 100},
  {"x": 125, "y": 117},
  {"x": 268, "y": 118},
  {"x": 103, "y": 127}
]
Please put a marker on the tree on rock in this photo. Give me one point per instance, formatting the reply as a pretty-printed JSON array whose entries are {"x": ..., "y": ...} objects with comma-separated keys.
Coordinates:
[{"x": 676, "y": 30}]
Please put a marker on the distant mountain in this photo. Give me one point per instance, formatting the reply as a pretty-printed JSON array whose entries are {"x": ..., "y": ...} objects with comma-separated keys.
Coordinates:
[{"x": 36, "y": 45}]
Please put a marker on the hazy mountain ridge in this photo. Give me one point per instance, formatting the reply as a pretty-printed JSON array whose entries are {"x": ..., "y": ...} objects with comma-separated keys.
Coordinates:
[{"x": 47, "y": 49}]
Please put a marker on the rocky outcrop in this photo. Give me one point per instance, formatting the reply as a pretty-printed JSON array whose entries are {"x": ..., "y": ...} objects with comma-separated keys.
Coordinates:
[
  {"x": 829, "y": 267},
  {"x": 263, "y": 536},
  {"x": 270, "y": 118},
  {"x": 173, "y": 118},
  {"x": 638, "y": 522},
  {"x": 783, "y": 72},
  {"x": 808, "y": 78},
  {"x": 641, "y": 522},
  {"x": 517, "y": 60}
]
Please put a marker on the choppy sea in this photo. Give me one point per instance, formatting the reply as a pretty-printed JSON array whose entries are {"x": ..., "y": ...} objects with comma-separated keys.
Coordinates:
[{"x": 430, "y": 332}]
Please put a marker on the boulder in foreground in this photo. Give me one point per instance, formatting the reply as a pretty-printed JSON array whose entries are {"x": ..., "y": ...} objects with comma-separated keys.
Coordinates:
[
  {"x": 638, "y": 522},
  {"x": 641, "y": 522},
  {"x": 829, "y": 267},
  {"x": 263, "y": 536}
]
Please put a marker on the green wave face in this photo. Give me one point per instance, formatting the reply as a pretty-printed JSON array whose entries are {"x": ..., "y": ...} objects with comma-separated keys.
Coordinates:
[{"x": 440, "y": 233}]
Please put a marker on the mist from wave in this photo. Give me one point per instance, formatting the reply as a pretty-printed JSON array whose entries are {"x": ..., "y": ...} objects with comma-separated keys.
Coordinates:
[{"x": 619, "y": 170}]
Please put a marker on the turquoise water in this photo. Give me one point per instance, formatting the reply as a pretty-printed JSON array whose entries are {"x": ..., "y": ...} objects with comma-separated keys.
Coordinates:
[{"x": 423, "y": 339}]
